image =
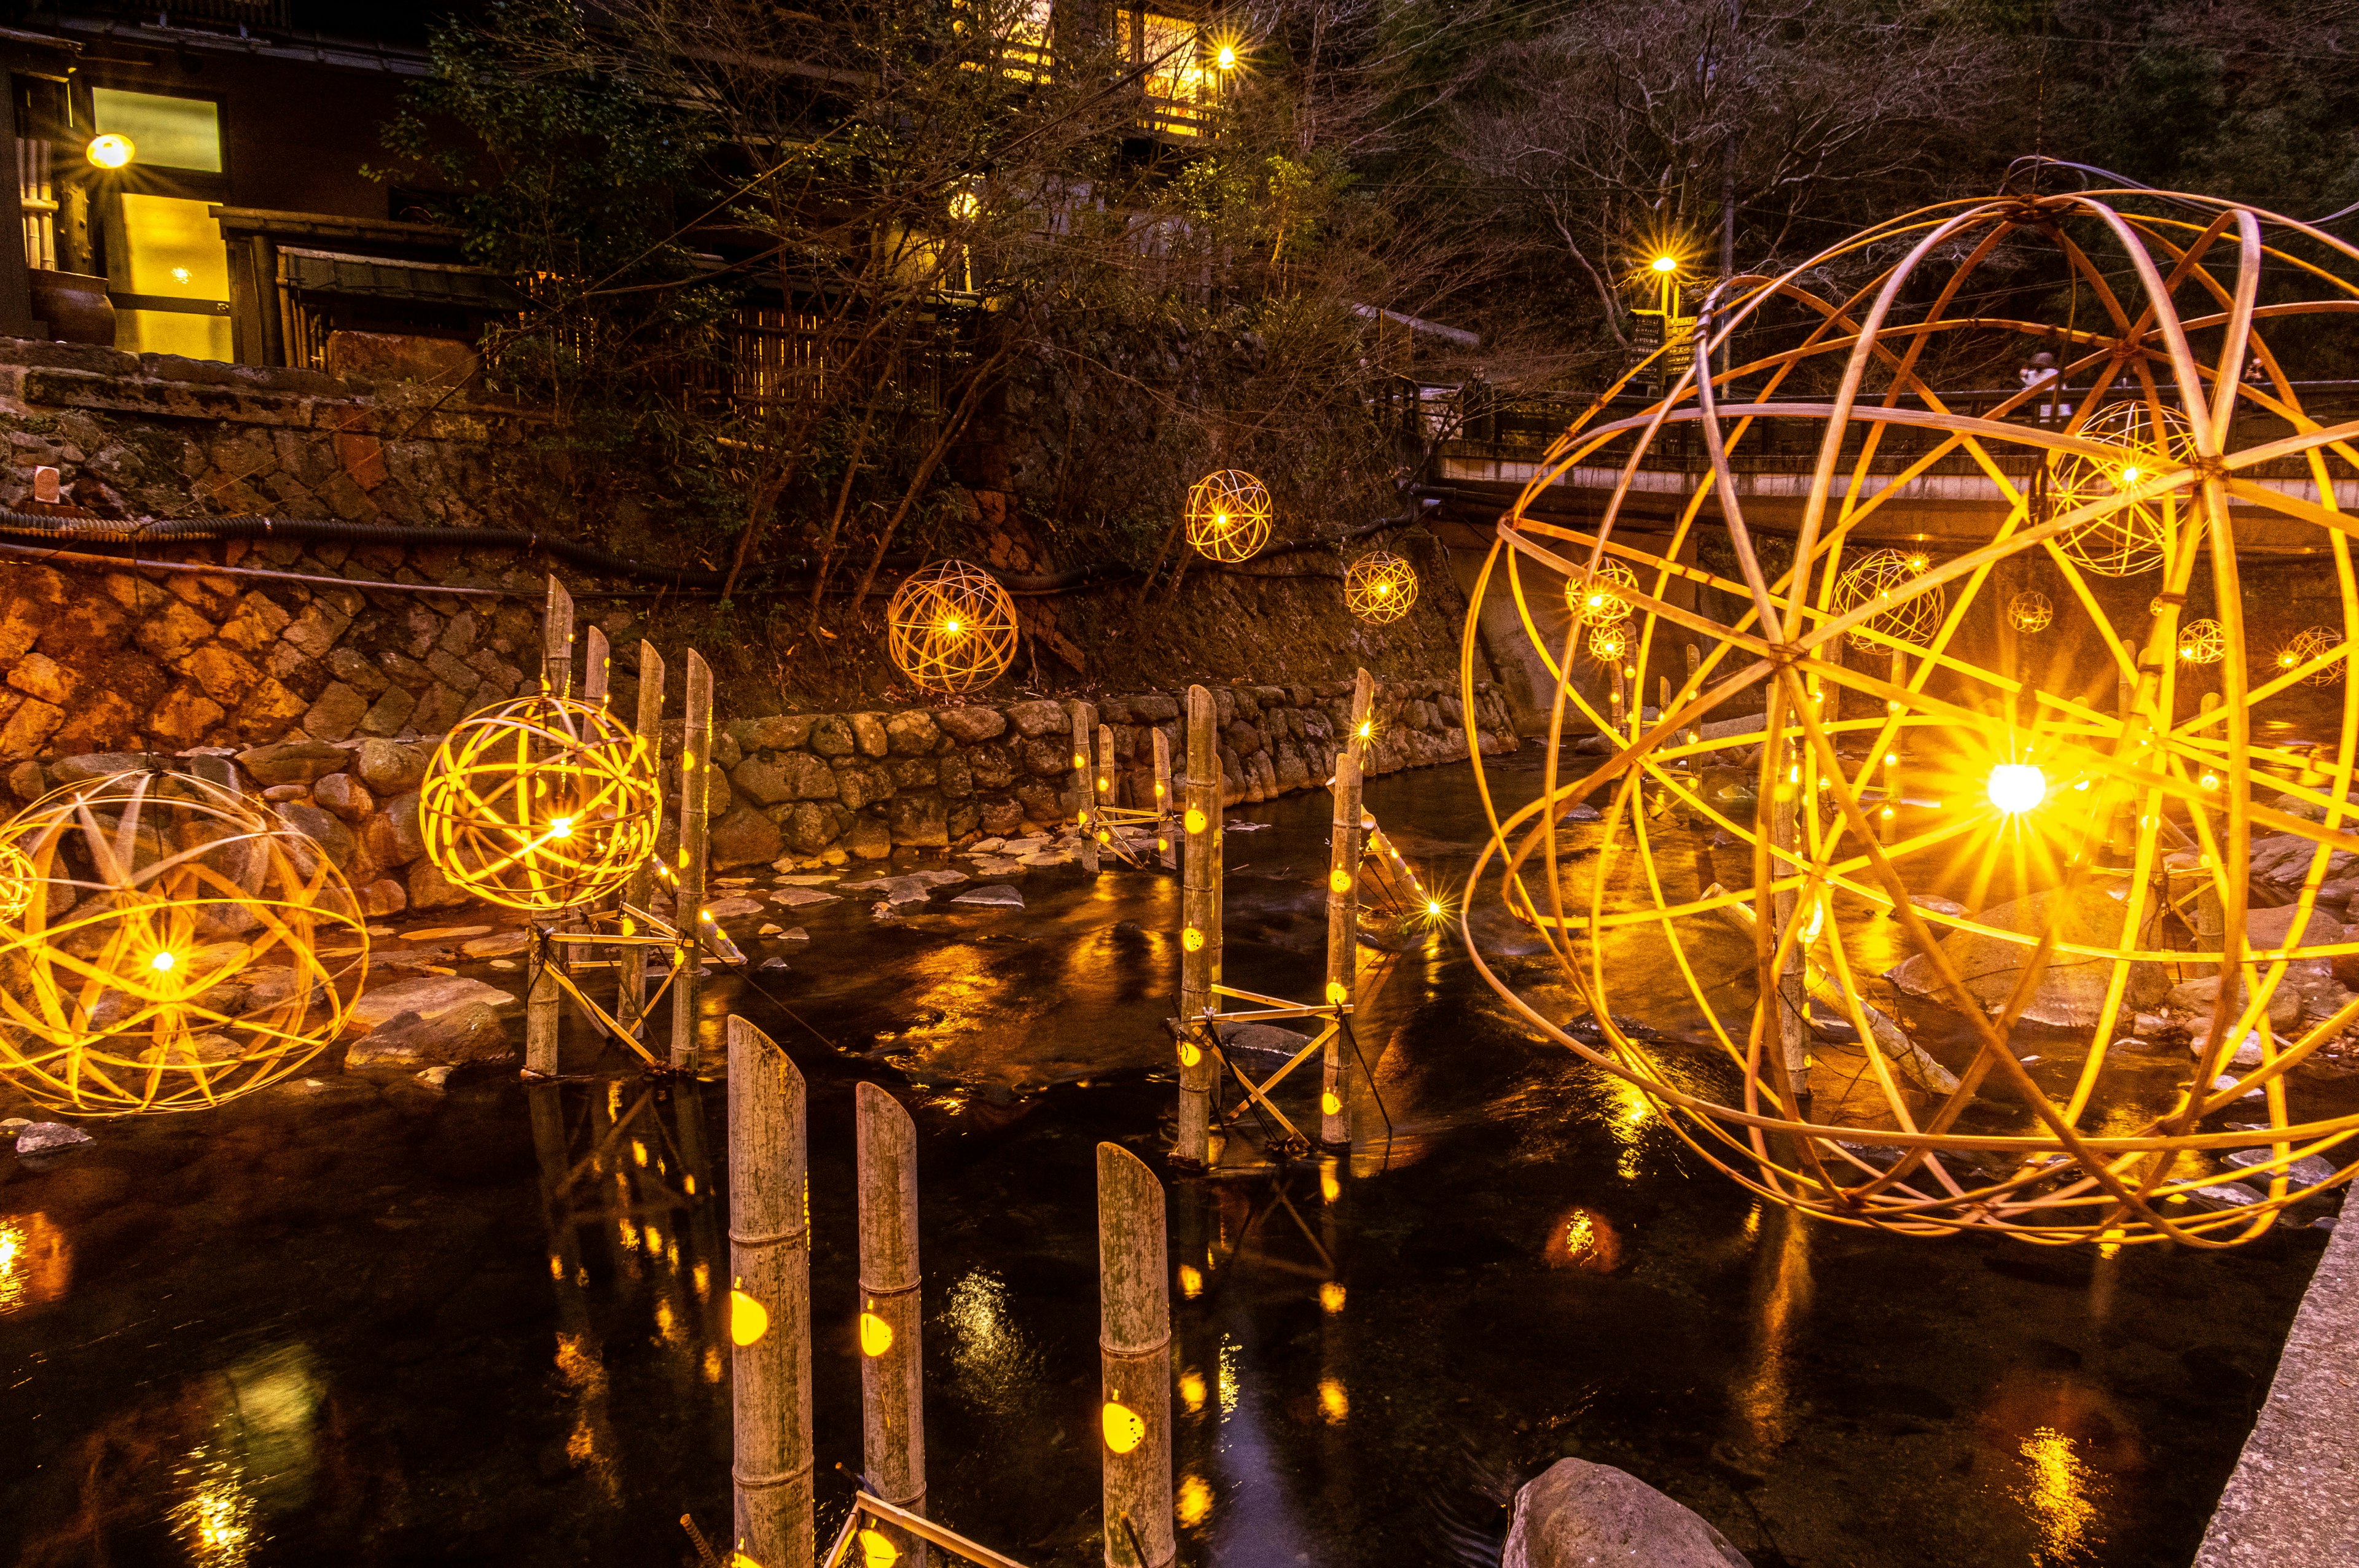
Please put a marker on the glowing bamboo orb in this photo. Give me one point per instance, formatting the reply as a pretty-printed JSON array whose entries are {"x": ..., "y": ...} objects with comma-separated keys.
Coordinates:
[
  {"x": 1911, "y": 607},
  {"x": 17, "y": 880},
  {"x": 1607, "y": 645},
  {"x": 2136, "y": 443},
  {"x": 1380, "y": 588},
  {"x": 540, "y": 804},
  {"x": 181, "y": 946},
  {"x": 1601, "y": 598},
  {"x": 2203, "y": 643},
  {"x": 1717, "y": 939},
  {"x": 1228, "y": 515},
  {"x": 952, "y": 627},
  {"x": 2315, "y": 642},
  {"x": 2031, "y": 611}
]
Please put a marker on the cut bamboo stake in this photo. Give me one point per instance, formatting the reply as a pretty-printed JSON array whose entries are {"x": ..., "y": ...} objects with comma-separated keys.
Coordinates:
[
  {"x": 597, "y": 668},
  {"x": 556, "y": 639},
  {"x": 1200, "y": 934},
  {"x": 542, "y": 1012},
  {"x": 1081, "y": 720},
  {"x": 770, "y": 1301},
  {"x": 1104, "y": 796},
  {"x": 1134, "y": 1352},
  {"x": 892, "y": 1391},
  {"x": 1364, "y": 718},
  {"x": 688, "y": 898},
  {"x": 1166, "y": 850},
  {"x": 631, "y": 994},
  {"x": 1343, "y": 946},
  {"x": 1695, "y": 661}
]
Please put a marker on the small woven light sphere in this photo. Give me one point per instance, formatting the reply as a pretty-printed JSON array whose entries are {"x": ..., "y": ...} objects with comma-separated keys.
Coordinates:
[
  {"x": 1607, "y": 645},
  {"x": 1228, "y": 515},
  {"x": 17, "y": 880},
  {"x": 952, "y": 627},
  {"x": 2130, "y": 536},
  {"x": 1601, "y": 598},
  {"x": 1913, "y": 616},
  {"x": 2203, "y": 643},
  {"x": 2313, "y": 642},
  {"x": 1380, "y": 588},
  {"x": 1871, "y": 960},
  {"x": 540, "y": 804},
  {"x": 2031, "y": 611},
  {"x": 181, "y": 946}
]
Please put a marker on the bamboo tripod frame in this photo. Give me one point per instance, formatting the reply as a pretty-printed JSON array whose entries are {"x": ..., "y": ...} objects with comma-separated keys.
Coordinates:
[{"x": 2188, "y": 338}]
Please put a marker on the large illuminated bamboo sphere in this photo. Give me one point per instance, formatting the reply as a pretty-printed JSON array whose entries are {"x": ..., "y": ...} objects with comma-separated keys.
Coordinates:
[
  {"x": 2307, "y": 647},
  {"x": 540, "y": 802},
  {"x": 952, "y": 627},
  {"x": 1380, "y": 588},
  {"x": 1601, "y": 598},
  {"x": 1228, "y": 515},
  {"x": 2127, "y": 530},
  {"x": 1890, "y": 584},
  {"x": 2203, "y": 643},
  {"x": 2031, "y": 611},
  {"x": 181, "y": 946},
  {"x": 1883, "y": 984}
]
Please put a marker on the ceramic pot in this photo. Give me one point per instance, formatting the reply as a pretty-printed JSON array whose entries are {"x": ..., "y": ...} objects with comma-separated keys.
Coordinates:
[{"x": 75, "y": 306}]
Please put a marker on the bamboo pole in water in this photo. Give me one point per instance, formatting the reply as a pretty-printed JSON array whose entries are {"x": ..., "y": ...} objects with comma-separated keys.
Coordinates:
[
  {"x": 1135, "y": 1354},
  {"x": 1695, "y": 661},
  {"x": 769, "y": 1302},
  {"x": 543, "y": 1001},
  {"x": 1166, "y": 850},
  {"x": 1081, "y": 720},
  {"x": 1200, "y": 934},
  {"x": 1343, "y": 946},
  {"x": 1105, "y": 780},
  {"x": 892, "y": 1389},
  {"x": 688, "y": 898},
  {"x": 630, "y": 991}
]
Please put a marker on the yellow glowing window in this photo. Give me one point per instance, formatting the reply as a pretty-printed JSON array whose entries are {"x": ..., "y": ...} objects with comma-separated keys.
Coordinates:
[
  {"x": 1179, "y": 77},
  {"x": 174, "y": 251},
  {"x": 170, "y": 133}
]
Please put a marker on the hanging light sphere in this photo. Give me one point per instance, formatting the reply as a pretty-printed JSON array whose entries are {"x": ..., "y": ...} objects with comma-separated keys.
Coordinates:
[
  {"x": 180, "y": 946},
  {"x": 2123, "y": 538},
  {"x": 950, "y": 627},
  {"x": 1601, "y": 598},
  {"x": 1914, "y": 613},
  {"x": 540, "y": 804},
  {"x": 1380, "y": 588},
  {"x": 2315, "y": 642},
  {"x": 1893, "y": 1000},
  {"x": 1227, "y": 516},
  {"x": 2203, "y": 643},
  {"x": 17, "y": 880},
  {"x": 2031, "y": 611},
  {"x": 1608, "y": 643}
]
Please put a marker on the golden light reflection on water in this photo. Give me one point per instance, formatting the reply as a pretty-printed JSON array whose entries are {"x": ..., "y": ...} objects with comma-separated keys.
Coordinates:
[
  {"x": 1781, "y": 1297},
  {"x": 216, "y": 1521},
  {"x": 1334, "y": 1402},
  {"x": 1194, "y": 1501},
  {"x": 36, "y": 1264},
  {"x": 1627, "y": 1113},
  {"x": 2057, "y": 1493},
  {"x": 1232, "y": 1354},
  {"x": 1191, "y": 1390},
  {"x": 994, "y": 1361}
]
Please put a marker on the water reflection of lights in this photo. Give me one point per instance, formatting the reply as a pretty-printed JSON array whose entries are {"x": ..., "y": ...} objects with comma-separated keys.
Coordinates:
[
  {"x": 217, "y": 1520},
  {"x": 1330, "y": 1295},
  {"x": 35, "y": 1264},
  {"x": 1334, "y": 1402},
  {"x": 2057, "y": 1494},
  {"x": 1192, "y": 1392},
  {"x": 1191, "y": 1281},
  {"x": 994, "y": 1361},
  {"x": 1582, "y": 1239},
  {"x": 1194, "y": 1501},
  {"x": 1231, "y": 1353},
  {"x": 1331, "y": 1186}
]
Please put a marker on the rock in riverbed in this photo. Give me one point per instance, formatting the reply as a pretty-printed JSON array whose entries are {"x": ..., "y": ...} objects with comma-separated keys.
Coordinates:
[{"x": 1579, "y": 1515}]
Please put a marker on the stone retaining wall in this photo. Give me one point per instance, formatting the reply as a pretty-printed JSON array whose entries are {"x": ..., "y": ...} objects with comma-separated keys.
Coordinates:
[{"x": 828, "y": 788}]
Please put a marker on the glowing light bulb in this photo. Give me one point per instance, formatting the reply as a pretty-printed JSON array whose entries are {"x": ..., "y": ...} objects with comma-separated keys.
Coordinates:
[
  {"x": 2129, "y": 476},
  {"x": 1226, "y": 60},
  {"x": 1190, "y": 1054},
  {"x": 1329, "y": 1104},
  {"x": 1384, "y": 589},
  {"x": 1433, "y": 907},
  {"x": 111, "y": 149},
  {"x": 1367, "y": 727},
  {"x": 1195, "y": 820},
  {"x": 1337, "y": 993},
  {"x": 748, "y": 1319},
  {"x": 561, "y": 827},
  {"x": 1666, "y": 264},
  {"x": 1340, "y": 879},
  {"x": 876, "y": 1336},
  {"x": 162, "y": 961},
  {"x": 2016, "y": 787},
  {"x": 949, "y": 628},
  {"x": 1123, "y": 1429},
  {"x": 1193, "y": 940}
]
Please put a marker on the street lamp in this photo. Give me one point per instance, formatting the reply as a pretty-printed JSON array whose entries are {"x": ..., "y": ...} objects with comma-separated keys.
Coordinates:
[{"x": 109, "y": 149}]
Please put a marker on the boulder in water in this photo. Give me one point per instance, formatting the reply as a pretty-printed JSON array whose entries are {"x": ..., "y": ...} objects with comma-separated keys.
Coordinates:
[
  {"x": 1579, "y": 1515},
  {"x": 2073, "y": 990}
]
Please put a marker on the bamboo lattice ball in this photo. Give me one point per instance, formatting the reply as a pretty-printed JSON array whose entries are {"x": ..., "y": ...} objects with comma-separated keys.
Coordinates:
[
  {"x": 1380, "y": 588},
  {"x": 952, "y": 627},
  {"x": 1607, "y": 645},
  {"x": 1913, "y": 606},
  {"x": 1228, "y": 515},
  {"x": 2031, "y": 611},
  {"x": 181, "y": 946},
  {"x": 2031, "y": 869},
  {"x": 1601, "y": 598},
  {"x": 17, "y": 880},
  {"x": 2315, "y": 642},
  {"x": 2203, "y": 643},
  {"x": 2134, "y": 442},
  {"x": 541, "y": 803}
]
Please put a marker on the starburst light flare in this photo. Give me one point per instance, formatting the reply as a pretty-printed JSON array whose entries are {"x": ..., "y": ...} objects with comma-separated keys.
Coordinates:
[{"x": 2040, "y": 873}]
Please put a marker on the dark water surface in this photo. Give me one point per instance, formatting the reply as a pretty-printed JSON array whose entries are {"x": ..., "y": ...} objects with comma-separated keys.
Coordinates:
[{"x": 379, "y": 1324}]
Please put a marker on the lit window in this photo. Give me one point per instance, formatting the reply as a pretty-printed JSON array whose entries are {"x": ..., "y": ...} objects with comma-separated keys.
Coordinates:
[{"x": 171, "y": 133}]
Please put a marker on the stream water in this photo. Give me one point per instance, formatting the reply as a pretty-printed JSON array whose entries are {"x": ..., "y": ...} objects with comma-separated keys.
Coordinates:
[{"x": 354, "y": 1321}]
